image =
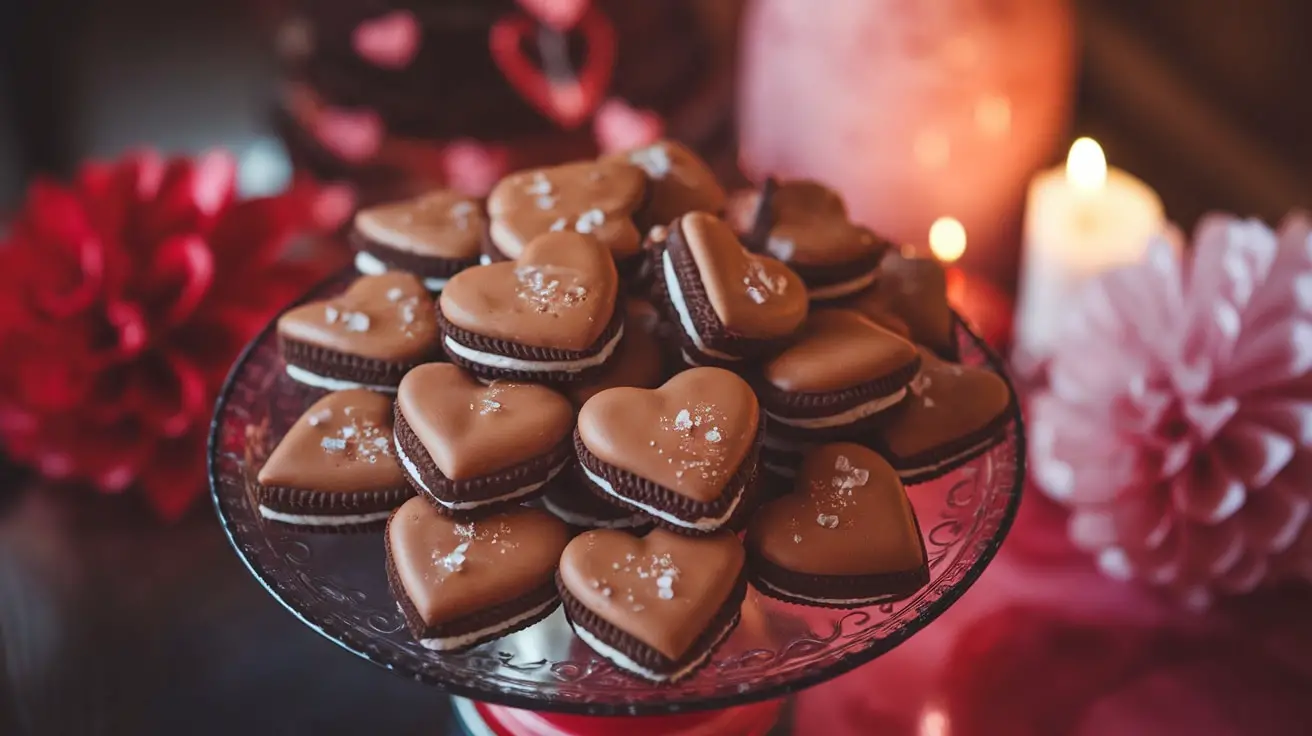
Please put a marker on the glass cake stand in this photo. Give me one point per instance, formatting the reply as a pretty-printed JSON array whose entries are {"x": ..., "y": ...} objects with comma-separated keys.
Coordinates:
[{"x": 542, "y": 679}]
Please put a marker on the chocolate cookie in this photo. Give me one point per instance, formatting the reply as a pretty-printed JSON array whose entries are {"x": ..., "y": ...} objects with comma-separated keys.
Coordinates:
[
  {"x": 638, "y": 361},
  {"x": 808, "y": 229},
  {"x": 369, "y": 336},
  {"x": 679, "y": 180},
  {"x": 913, "y": 292},
  {"x": 655, "y": 606},
  {"x": 731, "y": 304},
  {"x": 954, "y": 413},
  {"x": 593, "y": 198},
  {"x": 334, "y": 470},
  {"x": 684, "y": 453},
  {"x": 837, "y": 379},
  {"x": 471, "y": 448},
  {"x": 459, "y": 584},
  {"x": 434, "y": 237},
  {"x": 548, "y": 316},
  {"x": 580, "y": 508},
  {"x": 845, "y": 537}
]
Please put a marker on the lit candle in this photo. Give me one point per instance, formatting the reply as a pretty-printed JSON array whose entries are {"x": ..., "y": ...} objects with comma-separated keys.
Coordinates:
[
  {"x": 1079, "y": 221},
  {"x": 979, "y": 301}
]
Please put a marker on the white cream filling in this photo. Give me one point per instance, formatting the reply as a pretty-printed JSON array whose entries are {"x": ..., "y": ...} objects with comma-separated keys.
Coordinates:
[
  {"x": 906, "y": 473},
  {"x": 573, "y": 519},
  {"x": 834, "y": 601},
  {"x": 413, "y": 471},
  {"x": 685, "y": 317},
  {"x": 331, "y": 384},
  {"x": 705, "y": 524},
  {"x": 503, "y": 362},
  {"x": 484, "y": 259},
  {"x": 322, "y": 519},
  {"x": 440, "y": 644},
  {"x": 842, "y": 288},
  {"x": 624, "y": 662},
  {"x": 369, "y": 265},
  {"x": 843, "y": 418}
]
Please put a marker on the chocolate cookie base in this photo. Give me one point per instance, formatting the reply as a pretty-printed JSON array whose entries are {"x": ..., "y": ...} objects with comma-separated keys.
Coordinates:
[
  {"x": 425, "y": 267},
  {"x": 482, "y": 626},
  {"x": 710, "y": 330},
  {"x": 337, "y": 369},
  {"x": 638, "y": 652},
  {"x": 671, "y": 510},
  {"x": 517, "y": 351},
  {"x": 834, "y": 591},
  {"x": 476, "y": 497},
  {"x": 575, "y": 503},
  {"x": 327, "y": 511},
  {"x": 860, "y": 272},
  {"x": 939, "y": 461}
]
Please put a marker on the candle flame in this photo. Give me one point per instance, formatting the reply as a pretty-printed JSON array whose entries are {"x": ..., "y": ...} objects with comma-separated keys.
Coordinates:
[
  {"x": 1086, "y": 165},
  {"x": 947, "y": 239}
]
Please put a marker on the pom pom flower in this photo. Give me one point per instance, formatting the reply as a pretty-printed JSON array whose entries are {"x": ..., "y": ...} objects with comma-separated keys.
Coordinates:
[{"x": 1177, "y": 418}]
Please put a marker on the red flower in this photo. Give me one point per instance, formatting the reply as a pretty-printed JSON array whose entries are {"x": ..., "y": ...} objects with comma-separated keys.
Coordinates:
[{"x": 123, "y": 300}]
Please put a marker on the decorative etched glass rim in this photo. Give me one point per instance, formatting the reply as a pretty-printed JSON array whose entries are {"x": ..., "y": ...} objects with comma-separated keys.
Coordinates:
[{"x": 814, "y": 676}]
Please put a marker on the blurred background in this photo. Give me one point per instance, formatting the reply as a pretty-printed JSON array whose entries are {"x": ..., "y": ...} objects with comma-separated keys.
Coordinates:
[
  {"x": 1206, "y": 102},
  {"x": 111, "y": 622}
]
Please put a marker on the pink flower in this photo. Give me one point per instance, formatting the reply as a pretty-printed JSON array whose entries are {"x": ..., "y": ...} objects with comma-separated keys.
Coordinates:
[{"x": 1178, "y": 413}]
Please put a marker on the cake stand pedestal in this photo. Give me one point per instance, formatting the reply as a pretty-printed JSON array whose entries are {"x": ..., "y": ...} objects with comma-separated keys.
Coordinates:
[{"x": 486, "y": 719}]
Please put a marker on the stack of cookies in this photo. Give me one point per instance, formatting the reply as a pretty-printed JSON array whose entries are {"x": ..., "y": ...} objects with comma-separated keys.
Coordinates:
[{"x": 614, "y": 387}]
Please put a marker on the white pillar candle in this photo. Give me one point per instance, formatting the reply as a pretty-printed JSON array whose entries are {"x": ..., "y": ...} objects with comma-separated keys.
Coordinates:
[{"x": 1079, "y": 221}]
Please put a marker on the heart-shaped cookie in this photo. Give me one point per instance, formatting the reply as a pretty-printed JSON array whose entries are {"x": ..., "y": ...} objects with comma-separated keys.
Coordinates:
[
  {"x": 433, "y": 236},
  {"x": 953, "y": 413},
  {"x": 729, "y": 303},
  {"x": 681, "y": 182},
  {"x": 370, "y": 335},
  {"x": 809, "y": 230},
  {"x": 462, "y": 583},
  {"x": 846, "y": 535},
  {"x": 657, "y": 605},
  {"x": 914, "y": 290},
  {"x": 842, "y": 371},
  {"x": 690, "y": 436},
  {"x": 593, "y": 198},
  {"x": 471, "y": 429},
  {"x": 335, "y": 467},
  {"x": 838, "y": 349},
  {"x": 559, "y": 294}
]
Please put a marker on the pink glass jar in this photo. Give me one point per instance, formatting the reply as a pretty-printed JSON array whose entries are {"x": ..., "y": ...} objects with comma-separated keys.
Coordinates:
[{"x": 914, "y": 110}]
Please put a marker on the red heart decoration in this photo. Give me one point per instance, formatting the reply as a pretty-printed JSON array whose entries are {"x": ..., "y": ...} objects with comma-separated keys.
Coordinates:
[
  {"x": 560, "y": 15},
  {"x": 567, "y": 102},
  {"x": 620, "y": 127},
  {"x": 389, "y": 41},
  {"x": 355, "y": 135},
  {"x": 473, "y": 167}
]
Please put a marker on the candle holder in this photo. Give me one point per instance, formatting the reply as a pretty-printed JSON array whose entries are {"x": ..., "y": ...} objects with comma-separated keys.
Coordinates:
[{"x": 544, "y": 680}]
